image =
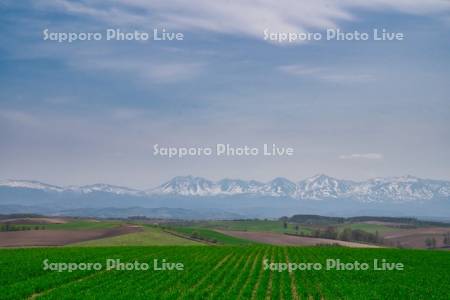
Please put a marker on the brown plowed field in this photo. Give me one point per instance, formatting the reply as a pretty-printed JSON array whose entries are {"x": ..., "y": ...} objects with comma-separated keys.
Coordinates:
[
  {"x": 59, "y": 237},
  {"x": 415, "y": 238},
  {"x": 34, "y": 221}
]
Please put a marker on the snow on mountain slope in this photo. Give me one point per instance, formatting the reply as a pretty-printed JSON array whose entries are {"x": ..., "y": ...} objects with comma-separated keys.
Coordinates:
[
  {"x": 187, "y": 186},
  {"x": 323, "y": 187},
  {"x": 196, "y": 186},
  {"x": 280, "y": 187},
  {"x": 403, "y": 189},
  {"x": 36, "y": 185},
  {"x": 395, "y": 189},
  {"x": 319, "y": 187},
  {"x": 237, "y": 186},
  {"x": 105, "y": 188},
  {"x": 30, "y": 184}
]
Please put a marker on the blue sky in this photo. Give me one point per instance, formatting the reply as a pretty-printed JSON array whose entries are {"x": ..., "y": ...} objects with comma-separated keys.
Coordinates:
[{"x": 91, "y": 111}]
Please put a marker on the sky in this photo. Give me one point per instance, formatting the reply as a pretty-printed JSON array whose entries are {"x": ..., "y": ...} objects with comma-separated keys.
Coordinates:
[{"x": 91, "y": 111}]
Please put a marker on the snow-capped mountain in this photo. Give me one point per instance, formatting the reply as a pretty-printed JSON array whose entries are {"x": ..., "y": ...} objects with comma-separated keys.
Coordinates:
[
  {"x": 323, "y": 187},
  {"x": 320, "y": 194},
  {"x": 86, "y": 189},
  {"x": 196, "y": 186},
  {"x": 187, "y": 186},
  {"x": 30, "y": 184},
  {"x": 400, "y": 189},
  {"x": 237, "y": 186},
  {"x": 280, "y": 187},
  {"x": 104, "y": 188},
  {"x": 317, "y": 187},
  {"x": 320, "y": 187}
]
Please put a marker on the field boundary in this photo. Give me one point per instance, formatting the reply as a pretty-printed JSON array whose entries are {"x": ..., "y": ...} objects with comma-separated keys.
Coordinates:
[{"x": 187, "y": 237}]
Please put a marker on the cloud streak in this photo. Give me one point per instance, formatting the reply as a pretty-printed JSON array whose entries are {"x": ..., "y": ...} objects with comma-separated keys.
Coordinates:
[
  {"x": 325, "y": 74},
  {"x": 242, "y": 17}
]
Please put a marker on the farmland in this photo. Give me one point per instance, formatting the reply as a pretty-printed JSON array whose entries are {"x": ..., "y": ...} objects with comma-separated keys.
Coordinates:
[
  {"x": 249, "y": 225},
  {"x": 224, "y": 273},
  {"x": 150, "y": 236},
  {"x": 291, "y": 240},
  {"x": 211, "y": 236},
  {"x": 24, "y": 238},
  {"x": 300, "y": 230},
  {"x": 219, "y": 259},
  {"x": 61, "y": 224},
  {"x": 386, "y": 232}
]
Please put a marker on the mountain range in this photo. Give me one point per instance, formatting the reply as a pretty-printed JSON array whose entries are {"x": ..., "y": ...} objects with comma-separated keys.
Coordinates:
[
  {"x": 319, "y": 187},
  {"x": 233, "y": 197}
]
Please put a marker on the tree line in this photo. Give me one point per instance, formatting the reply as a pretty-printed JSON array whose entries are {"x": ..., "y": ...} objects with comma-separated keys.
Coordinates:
[
  {"x": 347, "y": 234},
  {"x": 11, "y": 227}
]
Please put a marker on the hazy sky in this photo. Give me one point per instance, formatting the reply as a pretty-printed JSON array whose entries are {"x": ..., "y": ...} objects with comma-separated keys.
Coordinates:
[{"x": 91, "y": 111}]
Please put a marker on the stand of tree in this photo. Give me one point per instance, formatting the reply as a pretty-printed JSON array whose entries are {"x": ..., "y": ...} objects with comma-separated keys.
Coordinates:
[
  {"x": 313, "y": 219},
  {"x": 323, "y": 220},
  {"x": 10, "y": 227},
  {"x": 446, "y": 239},
  {"x": 432, "y": 243}
]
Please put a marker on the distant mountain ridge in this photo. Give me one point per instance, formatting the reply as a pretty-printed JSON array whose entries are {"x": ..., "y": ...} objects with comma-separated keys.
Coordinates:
[{"x": 319, "y": 187}]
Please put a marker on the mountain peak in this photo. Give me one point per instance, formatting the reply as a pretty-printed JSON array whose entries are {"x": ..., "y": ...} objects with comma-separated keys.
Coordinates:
[
  {"x": 185, "y": 185},
  {"x": 281, "y": 187},
  {"x": 319, "y": 187}
]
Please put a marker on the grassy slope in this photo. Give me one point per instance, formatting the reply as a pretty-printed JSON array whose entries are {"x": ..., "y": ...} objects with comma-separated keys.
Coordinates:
[
  {"x": 224, "y": 272},
  {"x": 245, "y": 225},
  {"x": 151, "y": 236},
  {"x": 212, "y": 235},
  {"x": 277, "y": 226},
  {"x": 249, "y": 225}
]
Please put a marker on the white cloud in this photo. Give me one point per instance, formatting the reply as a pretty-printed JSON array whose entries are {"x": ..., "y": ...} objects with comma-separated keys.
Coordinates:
[
  {"x": 101, "y": 10},
  {"x": 326, "y": 74},
  {"x": 244, "y": 17},
  {"x": 371, "y": 156},
  {"x": 239, "y": 17}
]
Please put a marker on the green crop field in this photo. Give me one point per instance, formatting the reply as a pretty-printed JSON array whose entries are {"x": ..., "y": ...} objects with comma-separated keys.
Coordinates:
[
  {"x": 251, "y": 225},
  {"x": 211, "y": 236},
  {"x": 150, "y": 236},
  {"x": 277, "y": 226},
  {"x": 222, "y": 273}
]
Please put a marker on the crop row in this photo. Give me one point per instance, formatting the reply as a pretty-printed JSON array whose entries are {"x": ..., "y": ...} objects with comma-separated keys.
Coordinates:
[{"x": 224, "y": 273}]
